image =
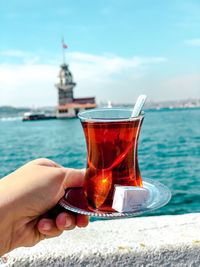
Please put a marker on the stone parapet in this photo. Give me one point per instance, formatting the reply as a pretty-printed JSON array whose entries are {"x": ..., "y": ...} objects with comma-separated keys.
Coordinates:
[{"x": 143, "y": 241}]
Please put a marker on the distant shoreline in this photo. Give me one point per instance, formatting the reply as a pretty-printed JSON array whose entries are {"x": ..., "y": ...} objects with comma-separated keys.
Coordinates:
[
  {"x": 11, "y": 113},
  {"x": 151, "y": 105}
]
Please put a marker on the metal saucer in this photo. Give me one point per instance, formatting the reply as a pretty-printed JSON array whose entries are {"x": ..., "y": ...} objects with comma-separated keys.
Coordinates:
[{"x": 75, "y": 201}]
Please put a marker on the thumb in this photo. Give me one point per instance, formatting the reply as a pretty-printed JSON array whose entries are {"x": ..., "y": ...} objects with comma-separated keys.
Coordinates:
[{"x": 73, "y": 177}]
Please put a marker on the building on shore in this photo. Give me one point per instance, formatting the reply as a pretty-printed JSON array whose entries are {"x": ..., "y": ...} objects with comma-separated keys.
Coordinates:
[{"x": 68, "y": 106}]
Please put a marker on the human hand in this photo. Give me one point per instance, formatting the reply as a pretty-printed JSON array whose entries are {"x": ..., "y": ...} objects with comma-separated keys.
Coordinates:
[{"x": 27, "y": 195}]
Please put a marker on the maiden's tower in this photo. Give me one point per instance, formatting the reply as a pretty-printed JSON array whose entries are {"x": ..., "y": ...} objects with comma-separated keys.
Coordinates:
[{"x": 68, "y": 106}]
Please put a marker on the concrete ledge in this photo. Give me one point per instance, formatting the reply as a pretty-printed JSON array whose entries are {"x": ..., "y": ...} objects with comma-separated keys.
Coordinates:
[{"x": 145, "y": 241}]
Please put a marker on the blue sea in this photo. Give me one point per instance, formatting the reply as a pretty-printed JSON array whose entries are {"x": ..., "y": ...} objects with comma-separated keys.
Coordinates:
[{"x": 169, "y": 150}]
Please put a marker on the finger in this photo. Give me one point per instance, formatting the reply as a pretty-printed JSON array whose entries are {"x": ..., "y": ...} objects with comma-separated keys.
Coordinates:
[
  {"x": 45, "y": 162},
  {"x": 48, "y": 228},
  {"x": 65, "y": 221},
  {"x": 73, "y": 177},
  {"x": 82, "y": 220}
]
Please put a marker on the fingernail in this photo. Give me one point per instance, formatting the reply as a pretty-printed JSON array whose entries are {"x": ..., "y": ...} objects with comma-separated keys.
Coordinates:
[
  {"x": 68, "y": 222},
  {"x": 46, "y": 227}
]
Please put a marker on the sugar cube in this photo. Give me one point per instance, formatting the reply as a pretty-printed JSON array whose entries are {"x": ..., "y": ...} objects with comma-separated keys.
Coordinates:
[{"x": 129, "y": 198}]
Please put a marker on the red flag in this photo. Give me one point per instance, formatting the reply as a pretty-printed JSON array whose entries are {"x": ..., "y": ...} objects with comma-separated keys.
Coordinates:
[{"x": 65, "y": 46}]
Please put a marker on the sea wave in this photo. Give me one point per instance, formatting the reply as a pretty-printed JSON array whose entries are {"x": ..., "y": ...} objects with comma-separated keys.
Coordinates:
[{"x": 10, "y": 118}]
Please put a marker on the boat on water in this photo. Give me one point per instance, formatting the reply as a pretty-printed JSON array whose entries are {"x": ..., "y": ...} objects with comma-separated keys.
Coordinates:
[{"x": 31, "y": 116}]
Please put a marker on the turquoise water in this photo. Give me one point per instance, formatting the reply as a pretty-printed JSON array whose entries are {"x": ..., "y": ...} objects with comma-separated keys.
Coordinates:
[{"x": 169, "y": 151}]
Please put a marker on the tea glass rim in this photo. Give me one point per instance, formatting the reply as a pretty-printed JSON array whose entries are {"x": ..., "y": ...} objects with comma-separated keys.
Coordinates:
[{"x": 82, "y": 117}]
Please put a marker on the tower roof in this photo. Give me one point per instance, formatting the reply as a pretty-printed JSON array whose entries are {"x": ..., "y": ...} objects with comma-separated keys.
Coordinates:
[{"x": 65, "y": 78}]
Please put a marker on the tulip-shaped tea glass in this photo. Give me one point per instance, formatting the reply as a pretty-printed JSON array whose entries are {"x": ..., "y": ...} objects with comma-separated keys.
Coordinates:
[{"x": 112, "y": 154}]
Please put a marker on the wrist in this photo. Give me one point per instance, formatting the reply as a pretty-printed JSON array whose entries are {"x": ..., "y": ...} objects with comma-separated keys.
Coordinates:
[{"x": 6, "y": 215}]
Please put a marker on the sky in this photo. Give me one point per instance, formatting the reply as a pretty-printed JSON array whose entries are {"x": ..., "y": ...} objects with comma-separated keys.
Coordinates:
[{"x": 117, "y": 49}]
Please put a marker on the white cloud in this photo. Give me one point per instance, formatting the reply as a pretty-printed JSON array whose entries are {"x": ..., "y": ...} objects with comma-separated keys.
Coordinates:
[
  {"x": 19, "y": 56},
  {"x": 105, "y": 66},
  {"x": 193, "y": 42},
  {"x": 27, "y": 85},
  {"x": 185, "y": 86},
  {"x": 106, "y": 77},
  {"x": 13, "y": 53}
]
